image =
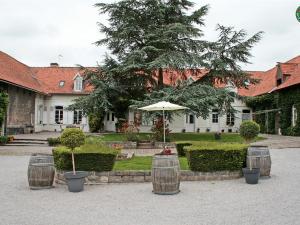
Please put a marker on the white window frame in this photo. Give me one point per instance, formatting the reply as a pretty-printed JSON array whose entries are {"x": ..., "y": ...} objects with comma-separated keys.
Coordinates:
[
  {"x": 230, "y": 119},
  {"x": 78, "y": 83},
  {"x": 215, "y": 117},
  {"x": 294, "y": 115},
  {"x": 60, "y": 112},
  {"x": 77, "y": 116}
]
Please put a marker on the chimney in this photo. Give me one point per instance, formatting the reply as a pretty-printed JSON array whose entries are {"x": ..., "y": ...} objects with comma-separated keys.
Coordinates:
[{"x": 54, "y": 65}]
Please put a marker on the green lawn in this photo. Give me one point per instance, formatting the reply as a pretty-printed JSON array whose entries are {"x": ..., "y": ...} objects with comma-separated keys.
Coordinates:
[
  {"x": 175, "y": 137},
  {"x": 144, "y": 163}
]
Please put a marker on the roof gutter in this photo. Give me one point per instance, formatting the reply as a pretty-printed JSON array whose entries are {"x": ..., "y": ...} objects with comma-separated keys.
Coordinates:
[{"x": 30, "y": 89}]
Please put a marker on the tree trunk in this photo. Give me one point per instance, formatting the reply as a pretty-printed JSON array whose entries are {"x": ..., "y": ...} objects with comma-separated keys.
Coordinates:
[
  {"x": 160, "y": 81},
  {"x": 73, "y": 163}
]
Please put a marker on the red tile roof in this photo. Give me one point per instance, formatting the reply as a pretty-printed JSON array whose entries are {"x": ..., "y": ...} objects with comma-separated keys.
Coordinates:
[
  {"x": 17, "y": 73},
  {"x": 268, "y": 79},
  {"x": 46, "y": 79},
  {"x": 51, "y": 77}
]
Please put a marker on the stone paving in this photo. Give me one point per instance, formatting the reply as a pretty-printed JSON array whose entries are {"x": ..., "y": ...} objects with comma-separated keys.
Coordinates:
[
  {"x": 279, "y": 141},
  {"x": 274, "y": 201}
]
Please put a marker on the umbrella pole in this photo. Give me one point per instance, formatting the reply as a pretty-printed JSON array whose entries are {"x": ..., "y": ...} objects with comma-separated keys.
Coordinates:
[{"x": 164, "y": 126}]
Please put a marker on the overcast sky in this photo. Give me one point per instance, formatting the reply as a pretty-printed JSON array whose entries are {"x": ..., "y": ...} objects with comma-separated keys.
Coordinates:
[{"x": 36, "y": 32}]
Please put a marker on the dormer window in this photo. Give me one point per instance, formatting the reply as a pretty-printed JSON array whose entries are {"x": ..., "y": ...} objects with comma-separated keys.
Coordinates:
[
  {"x": 61, "y": 83},
  {"x": 78, "y": 83}
]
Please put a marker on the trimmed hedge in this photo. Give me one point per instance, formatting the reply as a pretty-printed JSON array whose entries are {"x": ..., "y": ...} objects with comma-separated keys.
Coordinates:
[
  {"x": 208, "y": 156},
  {"x": 89, "y": 157},
  {"x": 54, "y": 141},
  {"x": 180, "y": 148}
]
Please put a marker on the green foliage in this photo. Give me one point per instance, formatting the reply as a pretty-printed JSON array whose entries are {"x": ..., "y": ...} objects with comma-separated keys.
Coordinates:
[
  {"x": 89, "y": 157},
  {"x": 180, "y": 148},
  {"x": 149, "y": 40},
  {"x": 208, "y": 157},
  {"x": 54, "y": 141},
  {"x": 144, "y": 163},
  {"x": 3, "y": 140},
  {"x": 3, "y": 105},
  {"x": 158, "y": 130},
  {"x": 95, "y": 122},
  {"x": 72, "y": 138},
  {"x": 131, "y": 132},
  {"x": 288, "y": 98},
  {"x": 181, "y": 137},
  {"x": 249, "y": 130},
  {"x": 264, "y": 102}
]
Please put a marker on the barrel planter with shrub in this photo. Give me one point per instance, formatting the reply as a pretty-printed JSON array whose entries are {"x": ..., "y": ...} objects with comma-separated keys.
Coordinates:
[
  {"x": 165, "y": 174},
  {"x": 210, "y": 157}
]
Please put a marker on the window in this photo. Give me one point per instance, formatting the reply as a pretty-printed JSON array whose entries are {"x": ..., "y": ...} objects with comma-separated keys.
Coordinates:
[
  {"x": 246, "y": 115},
  {"x": 77, "y": 118},
  {"x": 61, "y": 83},
  {"x": 59, "y": 114},
  {"x": 107, "y": 116},
  {"x": 112, "y": 117},
  {"x": 191, "y": 119},
  {"x": 294, "y": 115},
  {"x": 78, "y": 83},
  {"x": 215, "y": 116},
  {"x": 230, "y": 119}
]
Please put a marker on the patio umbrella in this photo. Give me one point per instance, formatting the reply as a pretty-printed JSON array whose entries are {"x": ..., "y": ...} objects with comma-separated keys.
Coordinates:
[{"x": 163, "y": 106}]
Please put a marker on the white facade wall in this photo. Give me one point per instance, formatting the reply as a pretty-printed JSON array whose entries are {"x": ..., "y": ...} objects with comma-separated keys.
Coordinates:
[
  {"x": 45, "y": 113},
  {"x": 180, "y": 122}
]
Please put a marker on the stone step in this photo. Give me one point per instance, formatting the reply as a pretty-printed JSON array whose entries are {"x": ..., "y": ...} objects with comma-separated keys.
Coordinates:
[
  {"x": 23, "y": 144},
  {"x": 30, "y": 139},
  {"x": 28, "y": 142}
]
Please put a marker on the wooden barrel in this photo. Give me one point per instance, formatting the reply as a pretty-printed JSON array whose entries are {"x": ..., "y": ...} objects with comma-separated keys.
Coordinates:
[
  {"x": 165, "y": 174},
  {"x": 259, "y": 157},
  {"x": 40, "y": 175},
  {"x": 41, "y": 158}
]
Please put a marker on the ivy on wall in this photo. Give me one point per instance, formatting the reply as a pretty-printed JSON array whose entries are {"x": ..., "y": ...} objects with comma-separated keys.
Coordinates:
[
  {"x": 3, "y": 106},
  {"x": 260, "y": 103},
  {"x": 284, "y": 100}
]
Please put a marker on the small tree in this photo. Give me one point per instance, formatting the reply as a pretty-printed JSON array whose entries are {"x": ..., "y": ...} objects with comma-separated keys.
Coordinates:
[
  {"x": 249, "y": 130},
  {"x": 72, "y": 138}
]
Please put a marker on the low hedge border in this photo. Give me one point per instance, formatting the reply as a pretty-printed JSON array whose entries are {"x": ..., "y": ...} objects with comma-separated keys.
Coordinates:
[
  {"x": 87, "y": 158},
  {"x": 180, "y": 147},
  {"x": 208, "y": 157}
]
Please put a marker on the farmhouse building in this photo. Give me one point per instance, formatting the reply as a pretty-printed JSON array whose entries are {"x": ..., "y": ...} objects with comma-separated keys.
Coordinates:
[{"x": 39, "y": 97}]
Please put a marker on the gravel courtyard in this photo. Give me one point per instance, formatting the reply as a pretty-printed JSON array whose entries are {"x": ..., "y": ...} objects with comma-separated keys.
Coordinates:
[{"x": 274, "y": 201}]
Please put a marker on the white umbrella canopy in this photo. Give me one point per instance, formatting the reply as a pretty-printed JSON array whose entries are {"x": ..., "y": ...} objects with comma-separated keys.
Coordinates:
[{"x": 163, "y": 106}]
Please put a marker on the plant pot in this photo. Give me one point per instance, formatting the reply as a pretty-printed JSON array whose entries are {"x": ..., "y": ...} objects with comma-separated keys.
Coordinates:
[
  {"x": 251, "y": 176},
  {"x": 75, "y": 181}
]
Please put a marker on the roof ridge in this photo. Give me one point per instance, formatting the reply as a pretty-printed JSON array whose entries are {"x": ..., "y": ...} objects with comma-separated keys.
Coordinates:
[{"x": 298, "y": 56}]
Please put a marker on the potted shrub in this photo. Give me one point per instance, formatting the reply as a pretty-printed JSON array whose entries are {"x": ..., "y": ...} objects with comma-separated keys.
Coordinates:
[
  {"x": 251, "y": 174},
  {"x": 249, "y": 130},
  {"x": 72, "y": 138}
]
